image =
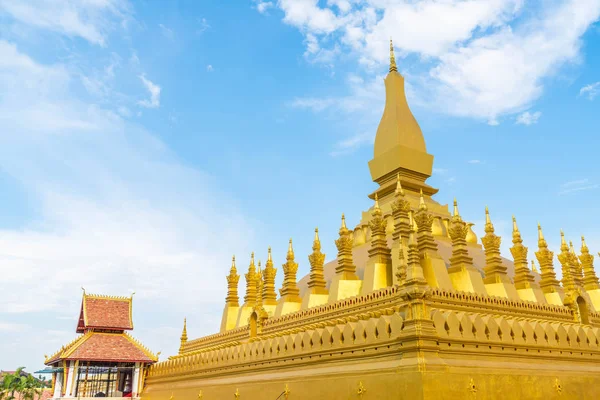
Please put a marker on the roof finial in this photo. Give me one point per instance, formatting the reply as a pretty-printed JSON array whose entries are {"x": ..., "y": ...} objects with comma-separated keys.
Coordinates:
[
  {"x": 393, "y": 67},
  {"x": 456, "y": 214},
  {"x": 399, "y": 190},
  {"x": 317, "y": 240},
  {"x": 344, "y": 221},
  {"x": 487, "y": 216},
  {"x": 290, "y": 250},
  {"x": 269, "y": 257},
  {"x": 533, "y": 268},
  {"x": 422, "y": 205}
]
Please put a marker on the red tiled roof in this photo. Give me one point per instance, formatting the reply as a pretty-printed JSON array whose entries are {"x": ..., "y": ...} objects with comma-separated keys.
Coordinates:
[
  {"x": 98, "y": 346},
  {"x": 105, "y": 312}
]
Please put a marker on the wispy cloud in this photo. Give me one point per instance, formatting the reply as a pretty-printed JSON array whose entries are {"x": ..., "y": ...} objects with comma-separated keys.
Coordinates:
[
  {"x": 474, "y": 161},
  {"x": 350, "y": 144},
  {"x": 90, "y": 20},
  {"x": 209, "y": 68},
  {"x": 577, "y": 186},
  {"x": 591, "y": 91},
  {"x": 475, "y": 54},
  {"x": 263, "y": 6},
  {"x": 528, "y": 118},
  {"x": 203, "y": 26},
  {"x": 154, "y": 89},
  {"x": 166, "y": 32}
]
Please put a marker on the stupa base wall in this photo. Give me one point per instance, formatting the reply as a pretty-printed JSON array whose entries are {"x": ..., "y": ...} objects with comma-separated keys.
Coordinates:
[{"x": 387, "y": 379}]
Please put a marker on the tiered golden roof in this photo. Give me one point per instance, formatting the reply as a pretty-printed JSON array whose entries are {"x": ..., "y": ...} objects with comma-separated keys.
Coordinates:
[{"x": 412, "y": 301}]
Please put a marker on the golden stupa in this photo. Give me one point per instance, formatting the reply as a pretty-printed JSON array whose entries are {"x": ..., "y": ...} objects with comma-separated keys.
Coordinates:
[{"x": 413, "y": 307}]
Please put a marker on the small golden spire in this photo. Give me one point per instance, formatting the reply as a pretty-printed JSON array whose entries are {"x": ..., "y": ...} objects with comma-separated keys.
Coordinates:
[
  {"x": 290, "y": 252},
  {"x": 571, "y": 247},
  {"x": 533, "y": 267},
  {"x": 393, "y": 67},
  {"x": 456, "y": 214},
  {"x": 515, "y": 227},
  {"x": 252, "y": 258},
  {"x": 540, "y": 233},
  {"x": 563, "y": 242},
  {"x": 269, "y": 257},
  {"x": 317, "y": 240},
  {"x": 422, "y": 205},
  {"x": 399, "y": 190},
  {"x": 376, "y": 201},
  {"x": 343, "y": 222},
  {"x": 487, "y": 216},
  {"x": 584, "y": 247},
  {"x": 184, "y": 333},
  {"x": 233, "y": 269}
]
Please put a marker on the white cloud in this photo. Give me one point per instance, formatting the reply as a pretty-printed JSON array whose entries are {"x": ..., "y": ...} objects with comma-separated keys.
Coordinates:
[
  {"x": 166, "y": 32},
  {"x": 577, "y": 186},
  {"x": 263, "y": 6},
  {"x": 592, "y": 90},
  {"x": 12, "y": 327},
  {"x": 528, "y": 118},
  {"x": 350, "y": 144},
  {"x": 203, "y": 26},
  {"x": 110, "y": 201},
  {"x": 474, "y": 57},
  {"x": 209, "y": 68},
  {"x": 474, "y": 161},
  {"x": 154, "y": 89},
  {"x": 90, "y": 20}
]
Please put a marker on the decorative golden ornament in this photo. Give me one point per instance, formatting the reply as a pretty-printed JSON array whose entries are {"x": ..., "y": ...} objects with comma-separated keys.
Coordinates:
[
  {"x": 472, "y": 386},
  {"x": 237, "y": 393},
  {"x": 200, "y": 394},
  {"x": 557, "y": 386},
  {"x": 361, "y": 389},
  {"x": 286, "y": 391}
]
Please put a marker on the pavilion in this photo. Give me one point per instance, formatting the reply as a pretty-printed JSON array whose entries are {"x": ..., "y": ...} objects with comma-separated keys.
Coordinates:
[{"x": 104, "y": 361}]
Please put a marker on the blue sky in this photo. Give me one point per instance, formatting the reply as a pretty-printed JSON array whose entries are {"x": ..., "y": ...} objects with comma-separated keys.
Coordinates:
[{"x": 142, "y": 144}]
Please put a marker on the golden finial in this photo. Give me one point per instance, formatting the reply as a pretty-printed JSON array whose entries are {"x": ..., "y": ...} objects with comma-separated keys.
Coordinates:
[
  {"x": 269, "y": 257},
  {"x": 259, "y": 269},
  {"x": 540, "y": 233},
  {"x": 563, "y": 242},
  {"x": 290, "y": 252},
  {"x": 584, "y": 247},
  {"x": 393, "y": 67},
  {"x": 233, "y": 269},
  {"x": 515, "y": 227},
  {"x": 399, "y": 190},
  {"x": 422, "y": 205},
  {"x": 571, "y": 248},
  {"x": 456, "y": 214},
  {"x": 487, "y": 216},
  {"x": 184, "y": 336},
  {"x": 533, "y": 267},
  {"x": 171, "y": 398},
  {"x": 344, "y": 221},
  {"x": 252, "y": 258},
  {"x": 376, "y": 202},
  {"x": 317, "y": 240}
]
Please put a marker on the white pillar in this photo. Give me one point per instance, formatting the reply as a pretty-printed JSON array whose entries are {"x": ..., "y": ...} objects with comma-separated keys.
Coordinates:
[
  {"x": 70, "y": 379},
  {"x": 58, "y": 383},
  {"x": 136, "y": 380}
]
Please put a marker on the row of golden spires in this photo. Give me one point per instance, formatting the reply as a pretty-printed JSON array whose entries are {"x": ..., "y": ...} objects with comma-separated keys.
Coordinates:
[{"x": 576, "y": 270}]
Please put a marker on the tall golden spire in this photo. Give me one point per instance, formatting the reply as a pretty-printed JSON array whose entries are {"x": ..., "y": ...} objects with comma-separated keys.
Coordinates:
[
  {"x": 545, "y": 257},
  {"x": 399, "y": 146},
  {"x": 345, "y": 265},
  {"x": 495, "y": 271},
  {"x": 590, "y": 280},
  {"x": 250, "y": 297},
  {"x": 184, "y": 336},
  {"x": 565, "y": 260},
  {"x": 232, "y": 285},
  {"x": 458, "y": 233},
  {"x": 400, "y": 213},
  {"x": 576, "y": 266},
  {"x": 316, "y": 282},
  {"x": 379, "y": 249},
  {"x": 424, "y": 220},
  {"x": 289, "y": 289},
  {"x": 393, "y": 67},
  {"x": 523, "y": 277},
  {"x": 269, "y": 295}
]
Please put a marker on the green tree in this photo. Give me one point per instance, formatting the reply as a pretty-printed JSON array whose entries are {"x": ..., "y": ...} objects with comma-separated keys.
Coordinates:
[{"x": 20, "y": 383}]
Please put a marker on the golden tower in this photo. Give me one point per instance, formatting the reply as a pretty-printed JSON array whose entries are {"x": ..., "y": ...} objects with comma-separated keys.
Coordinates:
[{"x": 414, "y": 306}]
